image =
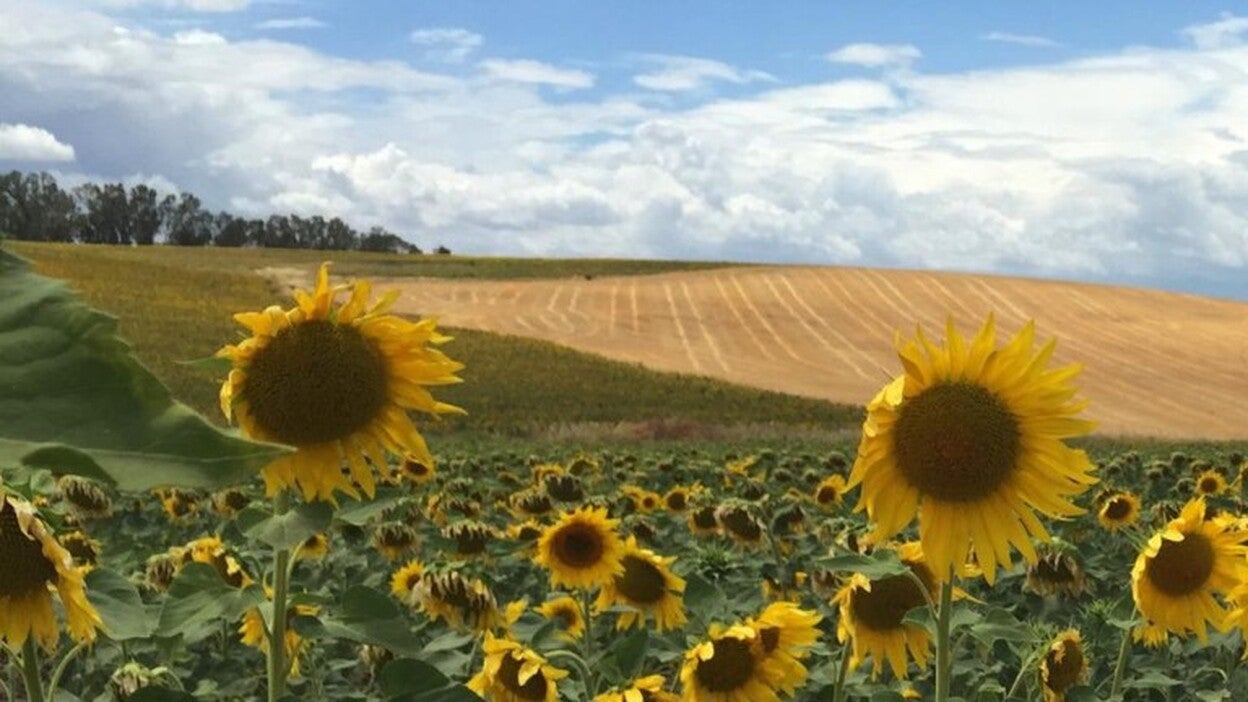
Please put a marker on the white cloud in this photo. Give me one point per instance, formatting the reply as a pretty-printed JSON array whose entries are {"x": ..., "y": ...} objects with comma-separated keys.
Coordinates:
[
  {"x": 536, "y": 72},
  {"x": 21, "y": 142},
  {"x": 191, "y": 5},
  {"x": 446, "y": 44},
  {"x": 291, "y": 23},
  {"x": 1227, "y": 31},
  {"x": 876, "y": 55},
  {"x": 1031, "y": 40},
  {"x": 683, "y": 73}
]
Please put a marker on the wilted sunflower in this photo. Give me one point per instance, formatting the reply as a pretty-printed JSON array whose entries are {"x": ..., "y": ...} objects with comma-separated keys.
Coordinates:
[
  {"x": 1056, "y": 573},
  {"x": 160, "y": 569},
  {"x": 702, "y": 521},
  {"x": 1119, "y": 510},
  {"x": 542, "y": 471},
  {"x": 86, "y": 497},
  {"x": 581, "y": 550},
  {"x": 1063, "y": 667},
  {"x": 228, "y": 503},
  {"x": 738, "y": 522},
  {"x": 528, "y": 531},
  {"x": 646, "y": 585},
  {"x": 315, "y": 547},
  {"x": 394, "y": 540},
  {"x": 464, "y": 604},
  {"x": 252, "y": 632},
  {"x": 513, "y": 673},
  {"x": 179, "y": 505},
  {"x": 647, "y": 689},
  {"x": 416, "y": 469},
  {"x": 873, "y": 615},
  {"x": 1182, "y": 568},
  {"x": 405, "y": 579},
  {"x": 564, "y": 488},
  {"x": 785, "y": 634},
  {"x": 830, "y": 491},
  {"x": 470, "y": 537},
  {"x": 35, "y": 563},
  {"x": 565, "y": 611},
  {"x": 210, "y": 550},
  {"x": 971, "y": 438},
  {"x": 84, "y": 549},
  {"x": 335, "y": 382},
  {"x": 531, "y": 503},
  {"x": 1210, "y": 482},
  {"x": 730, "y": 666}
]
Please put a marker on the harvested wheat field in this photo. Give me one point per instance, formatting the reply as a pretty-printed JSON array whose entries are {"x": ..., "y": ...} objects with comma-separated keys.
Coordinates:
[{"x": 1157, "y": 363}]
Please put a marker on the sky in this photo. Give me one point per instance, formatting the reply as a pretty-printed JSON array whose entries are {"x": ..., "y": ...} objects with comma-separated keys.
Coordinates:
[{"x": 1104, "y": 142}]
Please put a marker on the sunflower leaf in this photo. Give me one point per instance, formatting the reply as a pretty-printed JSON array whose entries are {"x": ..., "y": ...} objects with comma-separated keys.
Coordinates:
[
  {"x": 199, "y": 597},
  {"x": 120, "y": 606},
  {"x": 883, "y": 563},
  {"x": 73, "y": 399},
  {"x": 408, "y": 680},
  {"x": 285, "y": 531},
  {"x": 367, "y": 616}
]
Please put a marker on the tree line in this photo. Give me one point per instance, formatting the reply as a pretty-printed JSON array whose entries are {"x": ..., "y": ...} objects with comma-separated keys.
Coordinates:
[{"x": 33, "y": 207}]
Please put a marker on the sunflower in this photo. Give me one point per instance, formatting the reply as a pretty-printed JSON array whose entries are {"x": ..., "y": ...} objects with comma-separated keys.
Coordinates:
[
  {"x": 416, "y": 469},
  {"x": 677, "y": 499},
  {"x": 1056, "y": 573},
  {"x": 86, "y": 497},
  {"x": 513, "y": 673},
  {"x": 466, "y": 605},
  {"x": 785, "y": 634},
  {"x": 581, "y": 550},
  {"x": 702, "y": 521},
  {"x": 528, "y": 531},
  {"x": 789, "y": 588},
  {"x": 470, "y": 537},
  {"x": 228, "y": 503},
  {"x": 405, "y": 579},
  {"x": 830, "y": 491},
  {"x": 644, "y": 501},
  {"x": 1210, "y": 482},
  {"x": 542, "y": 471},
  {"x": 1151, "y": 635},
  {"x": 738, "y": 522},
  {"x": 35, "y": 563},
  {"x": 210, "y": 550},
  {"x": 315, "y": 547},
  {"x": 646, "y": 585},
  {"x": 1063, "y": 667},
  {"x": 394, "y": 540},
  {"x": 971, "y": 438},
  {"x": 159, "y": 571},
  {"x": 179, "y": 505},
  {"x": 647, "y": 689},
  {"x": 1182, "y": 567},
  {"x": 84, "y": 549},
  {"x": 730, "y": 666},
  {"x": 566, "y": 612},
  {"x": 252, "y": 632},
  {"x": 335, "y": 382},
  {"x": 531, "y": 503},
  {"x": 1119, "y": 510},
  {"x": 873, "y": 614}
]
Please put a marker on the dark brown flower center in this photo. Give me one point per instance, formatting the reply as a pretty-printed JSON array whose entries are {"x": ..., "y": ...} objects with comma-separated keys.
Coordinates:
[
  {"x": 566, "y": 614},
  {"x": 1210, "y": 485},
  {"x": 705, "y": 518},
  {"x": 827, "y": 495},
  {"x": 25, "y": 569},
  {"x": 885, "y": 605},
  {"x": 1065, "y": 673},
  {"x": 1118, "y": 508},
  {"x": 509, "y": 674},
  {"x": 677, "y": 501},
  {"x": 578, "y": 545},
  {"x": 642, "y": 582},
  {"x": 316, "y": 382},
  {"x": 729, "y": 669},
  {"x": 956, "y": 442},
  {"x": 770, "y": 638},
  {"x": 1181, "y": 567}
]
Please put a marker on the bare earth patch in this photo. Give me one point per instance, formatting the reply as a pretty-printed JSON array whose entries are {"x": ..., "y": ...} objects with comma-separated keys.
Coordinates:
[{"x": 1157, "y": 363}]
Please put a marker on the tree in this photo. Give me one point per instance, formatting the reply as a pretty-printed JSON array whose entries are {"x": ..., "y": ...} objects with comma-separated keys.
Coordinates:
[
  {"x": 378, "y": 239},
  {"x": 33, "y": 207},
  {"x": 189, "y": 224},
  {"x": 104, "y": 214},
  {"x": 231, "y": 230},
  {"x": 144, "y": 214},
  {"x": 339, "y": 236}
]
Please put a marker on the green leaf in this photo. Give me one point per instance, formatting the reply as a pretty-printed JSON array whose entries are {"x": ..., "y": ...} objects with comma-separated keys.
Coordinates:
[
  {"x": 880, "y": 564},
  {"x": 415, "y": 681},
  {"x": 703, "y": 597},
  {"x": 122, "y": 610},
  {"x": 285, "y": 531},
  {"x": 358, "y": 513},
  {"x": 160, "y": 694},
  {"x": 199, "y": 596},
  {"x": 75, "y": 399},
  {"x": 630, "y": 651},
  {"x": 368, "y": 616}
]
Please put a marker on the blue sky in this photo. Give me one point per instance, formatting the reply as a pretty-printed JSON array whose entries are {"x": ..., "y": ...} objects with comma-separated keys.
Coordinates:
[{"x": 1094, "y": 141}]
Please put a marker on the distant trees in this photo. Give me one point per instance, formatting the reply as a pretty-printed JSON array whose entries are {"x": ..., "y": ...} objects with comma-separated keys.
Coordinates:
[{"x": 34, "y": 207}]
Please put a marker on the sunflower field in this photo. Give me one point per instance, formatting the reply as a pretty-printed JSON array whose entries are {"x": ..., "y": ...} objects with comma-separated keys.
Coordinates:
[{"x": 971, "y": 544}]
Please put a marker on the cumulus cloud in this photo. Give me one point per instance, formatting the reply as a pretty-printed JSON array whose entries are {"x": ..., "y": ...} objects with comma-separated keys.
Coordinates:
[
  {"x": 1031, "y": 40},
  {"x": 682, "y": 73},
  {"x": 446, "y": 44},
  {"x": 536, "y": 72},
  {"x": 876, "y": 55},
  {"x": 1227, "y": 31},
  {"x": 21, "y": 142},
  {"x": 291, "y": 23}
]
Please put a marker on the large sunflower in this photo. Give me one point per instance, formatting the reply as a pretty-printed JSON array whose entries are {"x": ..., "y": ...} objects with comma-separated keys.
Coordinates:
[
  {"x": 1182, "y": 568},
  {"x": 730, "y": 666},
  {"x": 648, "y": 587},
  {"x": 335, "y": 382},
  {"x": 785, "y": 634},
  {"x": 581, "y": 550},
  {"x": 514, "y": 673},
  {"x": 873, "y": 615},
  {"x": 35, "y": 563},
  {"x": 971, "y": 438}
]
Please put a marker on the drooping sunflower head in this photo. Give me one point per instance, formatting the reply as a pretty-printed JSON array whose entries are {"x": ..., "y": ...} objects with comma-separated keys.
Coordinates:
[
  {"x": 1178, "y": 574},
  {"x": 1119, "y": 510},
  {"x": 394, "y": 540},
  {"x": 470, "y": 537},
  {"x": 648, "y": 587},
  {"x": 160, "y": 569},
  {"x": 738, "y": 521},
  {"x": 702, "y": 521},
  {"x": 1210, "y": 483},
  {"x": 228, "y": 503},
  {"x": 315, "y": 547},
  {"x": 35, "y": 565},
  {"x": 416, "y": 470},
  {"x": 972, "y": 439},
  {"x": 179, "y": 505},
  {"x": 531, "y": 503},
  {"x": 513, "y": 673},
  {"x": 466, "y": 605},
  {"x": 86, "y": 497},
  {"x": 334, "y": 381},
  {"x": 1056, "y": 573},
  {"x": 566, "y": 612},
  {"x": 581, "y": 550},
  {"x": 647, "y": 689},
  {"x": 1063, "y": 667},
  {"x": 830, "y": 491},
  {"x": 564, "y": 488},
  {"x": 84, "y": 549},
  {"x": 729, "y": 666},
  {"x": 528, "y": 531}
]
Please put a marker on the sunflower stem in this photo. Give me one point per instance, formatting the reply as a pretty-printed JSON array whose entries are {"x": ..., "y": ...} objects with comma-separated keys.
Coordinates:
[
  {"x": 1121, "y": 665},
  {"x": 591, "y": 684},
  {"x": 582, "y": 668},
  {"x": 30, "y": 670},
  {"x": 944, "y": 660},
  {"x": 838, "y": 689},
  {"x": 277, "y": 636},
  {"x": 61, "y": 667}
]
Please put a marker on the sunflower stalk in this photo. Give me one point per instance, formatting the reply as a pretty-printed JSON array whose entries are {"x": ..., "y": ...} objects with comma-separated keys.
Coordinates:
[
  {"x": 944, "y": 620},
  {"x": 278, "y": 667},
  {"x": 582, "y": 668},
  {"x": 62, "y": 667},
  {"x": 591, "y": 682},
  {"x": 838, "y": 689},
  {"x": 30, "y": 671},
  {"x": 1120, "y": 666}
]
